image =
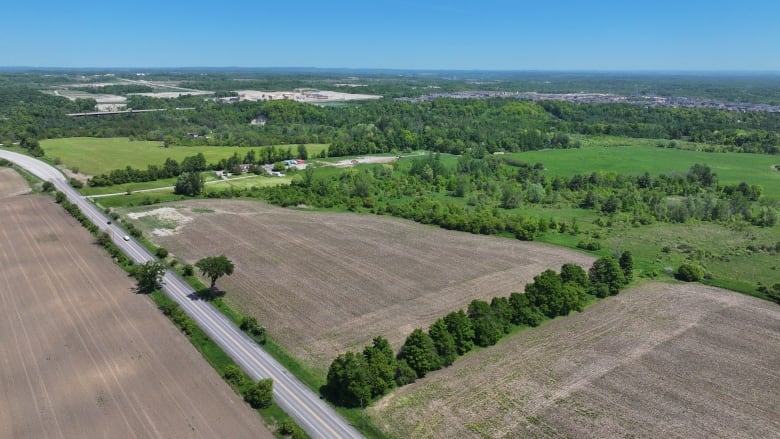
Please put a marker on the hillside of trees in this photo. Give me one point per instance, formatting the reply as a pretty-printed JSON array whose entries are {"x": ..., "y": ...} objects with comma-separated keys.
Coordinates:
[{"x": 443, "y": 125}]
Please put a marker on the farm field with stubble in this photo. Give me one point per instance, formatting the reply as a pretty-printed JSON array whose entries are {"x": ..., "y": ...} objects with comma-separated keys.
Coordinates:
[
  {"x": 659, "y": 360},
  {"x": 323, "y": 283},
  {"x": 83, "y": 355}
]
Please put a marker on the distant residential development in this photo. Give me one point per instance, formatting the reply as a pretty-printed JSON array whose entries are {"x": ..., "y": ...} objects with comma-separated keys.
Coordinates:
[
  {"x": 299, "y": 95},
  {"x": 601, "y": 98}
]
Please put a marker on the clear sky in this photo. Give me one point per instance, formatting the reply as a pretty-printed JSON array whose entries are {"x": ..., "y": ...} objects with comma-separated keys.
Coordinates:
[{"x": 402, "y": 34}]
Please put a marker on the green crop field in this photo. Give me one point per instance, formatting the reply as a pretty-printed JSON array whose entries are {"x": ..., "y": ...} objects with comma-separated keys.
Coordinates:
[
  {"x": 731, "y": 168},
  {"x": 95, "y": 156}
]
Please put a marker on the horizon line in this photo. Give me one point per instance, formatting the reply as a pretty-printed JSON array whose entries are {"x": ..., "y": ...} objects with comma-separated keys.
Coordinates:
[{"x": 393, "y": 69}]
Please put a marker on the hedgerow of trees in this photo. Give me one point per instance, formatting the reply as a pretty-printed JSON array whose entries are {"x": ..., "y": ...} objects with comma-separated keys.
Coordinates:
[{"x": 355, "y": 379}]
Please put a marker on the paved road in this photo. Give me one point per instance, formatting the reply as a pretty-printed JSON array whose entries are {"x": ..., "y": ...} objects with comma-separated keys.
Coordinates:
[{"x": 311, "y": 413}]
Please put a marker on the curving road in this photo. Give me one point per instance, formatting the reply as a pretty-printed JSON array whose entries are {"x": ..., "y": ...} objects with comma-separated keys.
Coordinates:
[{"x": 308, "y": 410}]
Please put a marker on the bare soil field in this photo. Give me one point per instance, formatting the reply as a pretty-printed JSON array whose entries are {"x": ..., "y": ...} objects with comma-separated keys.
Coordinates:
[
  {"x": 657, "y": 361},
  {"x": 11, "y": 183},
  {"x": 326, "y": 282},
  {"x": 83, "y": 356}
]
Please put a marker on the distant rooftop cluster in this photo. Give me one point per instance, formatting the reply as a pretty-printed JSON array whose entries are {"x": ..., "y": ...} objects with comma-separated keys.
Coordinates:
[
  {"x": 298, "y": 95},
  {"x": 601, "y": 98}
]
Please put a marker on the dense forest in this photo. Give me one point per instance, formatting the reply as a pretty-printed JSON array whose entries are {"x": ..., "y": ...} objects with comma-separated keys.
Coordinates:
[{"x": 442, "y": 125}]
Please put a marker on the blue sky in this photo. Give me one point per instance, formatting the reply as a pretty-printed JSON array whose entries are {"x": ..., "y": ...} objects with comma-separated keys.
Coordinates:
[{"x": 455, "y": 34}]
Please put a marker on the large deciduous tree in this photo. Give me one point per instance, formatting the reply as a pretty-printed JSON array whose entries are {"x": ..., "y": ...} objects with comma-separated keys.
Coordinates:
[
  {"x": 149, "y": 275},
  {"x": 349, "y": 381},
  {"x": 459, "y": 325},
  {"x": 443, "y": 341},
  {"x": 606, "y": 277},
  {"x": 214, "y": 267},
  {"x": 420, "y": 353},
  {"x": 188, "y": 183}
]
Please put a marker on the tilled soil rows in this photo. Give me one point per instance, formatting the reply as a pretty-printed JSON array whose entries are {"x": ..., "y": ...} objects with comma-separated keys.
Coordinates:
[
  {"x": 326, "y": 282},
  {"x": 660, "y": 360},
  {"x": 83, "y": 356},
  {"x": 11, "y": 183}
]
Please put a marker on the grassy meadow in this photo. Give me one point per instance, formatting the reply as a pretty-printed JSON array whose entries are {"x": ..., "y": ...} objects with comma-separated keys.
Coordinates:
[
  {"x": 635, "y": 158},
  {"x": 94, "y": 156}
]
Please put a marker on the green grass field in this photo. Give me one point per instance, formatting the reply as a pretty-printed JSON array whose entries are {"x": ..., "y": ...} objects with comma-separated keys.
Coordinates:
[
  {"x": 731, "y": 168},
  {"x": 95, "y": 156},
  {"x": 244, "y": 183}
]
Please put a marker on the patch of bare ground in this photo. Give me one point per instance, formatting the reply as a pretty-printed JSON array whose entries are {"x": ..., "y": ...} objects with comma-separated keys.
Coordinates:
[
  {"x": 11, "y": 183},
  {"x": 326, "y": 282},
  {"x": 660, "y": 360},
  {"x": 83, "y": 356}
]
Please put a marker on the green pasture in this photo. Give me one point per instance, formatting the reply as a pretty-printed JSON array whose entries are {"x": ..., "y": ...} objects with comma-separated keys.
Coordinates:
[
  {"x": 244, "y": 183},
  {"x": 129, "y": 187},
  {"x": 94, "y": 156},
  {"x": 165, "y": 193},
  {"x": 633, "y": 159},
  {"x": 737, "y": 257}
]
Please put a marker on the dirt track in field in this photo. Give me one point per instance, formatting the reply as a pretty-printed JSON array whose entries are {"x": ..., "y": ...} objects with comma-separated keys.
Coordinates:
[
  {"x": 661, "y": 360},
  {"x": 326, "y": 282},
  {"x": 85, "y": 357}
]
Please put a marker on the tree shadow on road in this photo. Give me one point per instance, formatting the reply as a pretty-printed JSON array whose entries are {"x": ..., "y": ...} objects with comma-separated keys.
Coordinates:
[{"x": 207, "y": 294}]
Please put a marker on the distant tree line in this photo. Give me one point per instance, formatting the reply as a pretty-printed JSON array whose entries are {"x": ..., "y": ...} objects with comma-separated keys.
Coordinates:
[
  {"x": 493, "y": 189},
  {"x": 197, "y": 163},
  {"x": 355, "y": 379},
  {"x": 443, "y": 125}
]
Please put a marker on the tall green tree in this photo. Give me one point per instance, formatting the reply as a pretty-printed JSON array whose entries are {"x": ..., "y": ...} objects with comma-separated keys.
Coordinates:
[
  {"x": 502, "y": 313},
  {"x": 261, "y": 394},
  {"x": 545, "y": 293},
  {"x": 461, "y": 329},
  {"x": 303, "y": 153},
  {"x": 420, "y": 353},
  {"x": 574, "y": 273},
  {"x": 149, "y": 275},
  {"x": 214, "y": 267},
  {"x": 606, "y": 277},
  {"x": 381, "y": 370},
  {"x": 487, "y": 328},
  {"x": 443, "y": 341},
  {"x": 188, "y": 183},
  {"x": 626, "y": 262},
  {"x": 349, "y": 382},
  {"x": 523, "y": 311}
]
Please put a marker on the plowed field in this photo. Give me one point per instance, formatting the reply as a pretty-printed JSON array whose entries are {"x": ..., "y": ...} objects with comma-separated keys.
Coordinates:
[
  {"x": 11, "y": 183},
  {"x": 658, "y": 361},
  {"x": 85, "y": 357},
  {"x": 326, "y": 282}
]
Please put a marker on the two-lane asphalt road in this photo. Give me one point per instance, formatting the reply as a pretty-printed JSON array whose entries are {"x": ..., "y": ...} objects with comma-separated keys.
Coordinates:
[{"x": 311, "y": 413}]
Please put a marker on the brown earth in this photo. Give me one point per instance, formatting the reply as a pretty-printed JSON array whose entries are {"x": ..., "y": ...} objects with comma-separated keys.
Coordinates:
[
  {"x": 11, "y": 183},
  {"x": 85, "y": 357},
  {"x": 326, "y": 282},
  {"x": 660, "y": 360}
]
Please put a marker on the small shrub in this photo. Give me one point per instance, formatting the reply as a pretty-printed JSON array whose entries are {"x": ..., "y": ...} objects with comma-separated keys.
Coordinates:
[
  {"x": 689, "y": 273},
  {"x": 589, "y": 245},
  {"x": 234, "y": 375},
  {"x": 287, "y": 427},
  {"x": 161, "y": 252},
  {"x": 260, "y": 395},
  {"x": 188, "y": 270}
]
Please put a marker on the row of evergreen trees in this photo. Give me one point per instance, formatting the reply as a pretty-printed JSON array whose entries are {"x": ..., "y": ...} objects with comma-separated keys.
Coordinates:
[{"x": 355, "y": 379}]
